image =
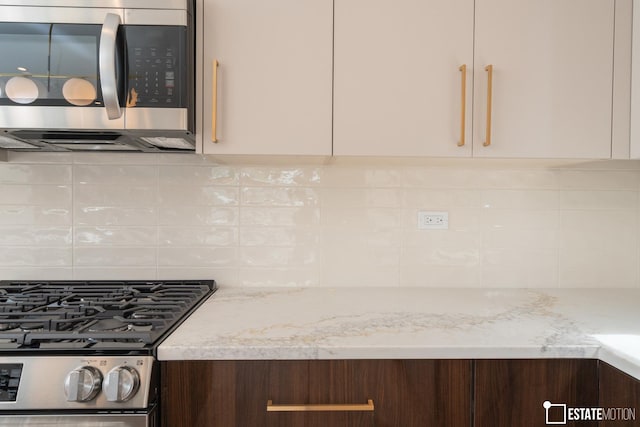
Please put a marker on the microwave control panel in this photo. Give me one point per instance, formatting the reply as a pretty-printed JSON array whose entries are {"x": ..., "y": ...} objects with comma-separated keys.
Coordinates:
[
  {"x": 156, "y": 67},
  {"x": 9, "y": 381}
]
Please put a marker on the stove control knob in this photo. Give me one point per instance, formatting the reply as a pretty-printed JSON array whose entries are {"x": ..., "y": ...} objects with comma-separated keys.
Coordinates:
[
  {"x": 82, "y": 384},
  {"x": 121, "y": 384}
]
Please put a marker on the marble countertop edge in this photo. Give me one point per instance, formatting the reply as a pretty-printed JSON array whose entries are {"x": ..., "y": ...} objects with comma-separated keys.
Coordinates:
[{"x": 412, "y": 323}]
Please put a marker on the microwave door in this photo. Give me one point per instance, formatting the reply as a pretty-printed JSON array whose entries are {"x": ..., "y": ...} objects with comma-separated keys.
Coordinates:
[{"x": 53, "y": 64}]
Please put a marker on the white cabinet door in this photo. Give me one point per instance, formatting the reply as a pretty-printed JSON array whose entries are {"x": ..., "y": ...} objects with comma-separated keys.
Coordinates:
[
  {"x": 274, "y": 80},
  {"x": 397, "y": 83},
  {"x": 552, "y": 78},
  {"x": 635, "y": 87}
]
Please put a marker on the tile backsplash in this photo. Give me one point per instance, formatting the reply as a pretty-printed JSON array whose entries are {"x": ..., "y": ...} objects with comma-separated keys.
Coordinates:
[{"x": 320, "y": 222}]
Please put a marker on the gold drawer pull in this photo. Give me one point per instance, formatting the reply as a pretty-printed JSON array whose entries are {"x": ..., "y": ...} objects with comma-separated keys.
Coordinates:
[{"x": 320, "y": 407}]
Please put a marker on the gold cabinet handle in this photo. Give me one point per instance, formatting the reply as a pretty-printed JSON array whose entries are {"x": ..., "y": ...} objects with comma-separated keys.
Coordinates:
[
  {"x": 214, "y": 102},
  {"x": 489, "y": 70},
  {"x": 271, "y": 407},
  {"x": 463, "y": 103}
]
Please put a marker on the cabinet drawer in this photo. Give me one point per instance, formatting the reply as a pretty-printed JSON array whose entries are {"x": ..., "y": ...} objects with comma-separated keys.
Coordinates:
[{"x": 404, "y": 393}]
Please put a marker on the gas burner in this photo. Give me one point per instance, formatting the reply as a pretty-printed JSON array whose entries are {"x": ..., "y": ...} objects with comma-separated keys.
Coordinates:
[{"x": 108, "y": 325}]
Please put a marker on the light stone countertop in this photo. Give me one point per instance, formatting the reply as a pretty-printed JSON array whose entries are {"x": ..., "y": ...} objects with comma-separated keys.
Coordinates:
[{"x": 408, "y": 323}]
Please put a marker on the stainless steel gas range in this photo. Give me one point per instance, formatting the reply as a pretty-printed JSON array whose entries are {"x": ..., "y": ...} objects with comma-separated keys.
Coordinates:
[{"x": 83, "y": 353}]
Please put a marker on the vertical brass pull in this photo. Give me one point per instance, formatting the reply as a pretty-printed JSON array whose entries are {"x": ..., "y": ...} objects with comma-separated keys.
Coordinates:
[
  {"x": 489, "y": 70},
  {"x": 214, "y": 103},
  {"x": 463, "y": 104}
]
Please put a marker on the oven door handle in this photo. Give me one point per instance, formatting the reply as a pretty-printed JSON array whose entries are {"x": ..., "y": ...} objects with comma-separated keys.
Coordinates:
[{"x": 107, "y": 65}]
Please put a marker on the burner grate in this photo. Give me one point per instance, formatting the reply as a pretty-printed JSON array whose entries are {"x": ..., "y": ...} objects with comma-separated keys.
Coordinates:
[{"x": 99, "y": 314}]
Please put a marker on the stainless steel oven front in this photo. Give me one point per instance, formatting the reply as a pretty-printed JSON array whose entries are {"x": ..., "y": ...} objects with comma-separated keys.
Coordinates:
[
  {"x": 89, "y": 391},
  {"x": 79, "y": 420}
]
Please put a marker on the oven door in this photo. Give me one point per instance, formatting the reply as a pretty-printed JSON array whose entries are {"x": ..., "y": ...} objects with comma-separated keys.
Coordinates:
[{"x": 79, "y": 420}]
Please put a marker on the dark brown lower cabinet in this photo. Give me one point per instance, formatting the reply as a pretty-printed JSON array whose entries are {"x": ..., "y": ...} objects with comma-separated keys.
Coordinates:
[
  {"x": 620, "y": 397},
  {"x": 511, "y": 393},
  {"x": 405, "y": 393}
]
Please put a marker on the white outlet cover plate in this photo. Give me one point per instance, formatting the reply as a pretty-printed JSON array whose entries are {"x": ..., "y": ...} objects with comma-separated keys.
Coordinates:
[{"x": 433, "y": 220}]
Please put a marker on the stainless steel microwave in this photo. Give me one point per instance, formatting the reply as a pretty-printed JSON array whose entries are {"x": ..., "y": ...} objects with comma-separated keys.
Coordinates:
[{"x": 98, "y": 75}]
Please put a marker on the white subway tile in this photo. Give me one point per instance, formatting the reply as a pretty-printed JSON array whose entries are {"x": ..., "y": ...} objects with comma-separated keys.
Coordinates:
[
  {"x": 172, "y": 195},
  {"x": 430, "y": 199},
  {"x": 198, "y": 256},
  {"x": 52, "y": 196},
  {"x": 349, "y": 238},
  {"x": 114, "y": 273},
  {"x": 34, "y": 215},
  {"x": 523, "y": 179},
  {"x": 618, "y": 221},
  {"x": 599, "y": 180},
  {"x": 445, "y": 255},
  {"x": 36, "y": 273},
  {"x": 347, "y": 275},
  {"x": 360, "y": 197},
  {"x": 437, "y": 276},
  {"x": 520, "y": 199},
  {"x": 270, "y": 277},
  {"x": 520, "y": 219},
  {"x": 361, "y": 264},
  {"x": 283, "y": 176},
  {"x": 224, "y": 277},
  {"x": 359, "y": 176},
  {"x": 601, "y": 200},
  {"x": 279, "y": 196},
  {"x": 114, "y": 215},
  {"x": 115, "y": 236},
  {"x": 187, "y": 159},
  {"x": 116, "y": 256},
  {"x": 198, "y": 236},
  {"x": 190, "y": 175},
  {"x": 520, "y": 268},
  {"x": 414, "y": 241},
  {"x": 278, "y": 257},
  {"x": 104, "y": 158},
  {"x": 441, "y": 178},
  {"x": 362, "y": 217},
  {"x": 338, "y": 223},
  {"x": 35, "y": 157},
  {"x": 114, "y": 195},
  {"x": 36, "y": 256},
  {"x": 509, "y": 238},
  {"x": 32, "y": 174},
  {"x": 280, "y": 216},
  {"x": 204, "y": 216},
  {"x": 599, "y": 268},
  {"x": 34, "y": 236},
  {"x": 279, "y": 236},
  {"x": 124, "y": 175}
]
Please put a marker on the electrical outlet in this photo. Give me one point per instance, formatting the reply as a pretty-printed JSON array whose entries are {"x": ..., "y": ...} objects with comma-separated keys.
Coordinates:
[{"x": 433, "y": 220}]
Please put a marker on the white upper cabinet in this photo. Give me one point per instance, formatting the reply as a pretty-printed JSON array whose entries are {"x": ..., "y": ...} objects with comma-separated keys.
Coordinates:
[
  {"x": 635, "y": 92},
  {"x": 274, "y": 78},
  {"x": 552, "y": 78},
  {"x": 397, "y": 81},
  {"x": 398, "y": 88}
]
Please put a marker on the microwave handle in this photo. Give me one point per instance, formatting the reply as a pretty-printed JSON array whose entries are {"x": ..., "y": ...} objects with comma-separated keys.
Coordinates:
[{"x": 107, "y": 61}]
